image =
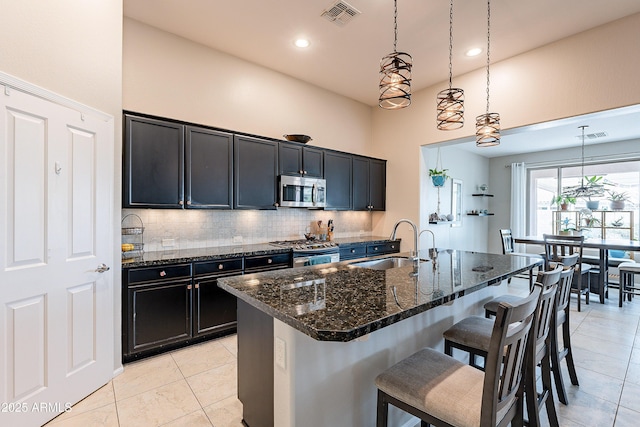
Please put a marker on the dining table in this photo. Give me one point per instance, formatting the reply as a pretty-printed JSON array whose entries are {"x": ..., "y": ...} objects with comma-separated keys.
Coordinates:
[{"x": 603, "y": 246}]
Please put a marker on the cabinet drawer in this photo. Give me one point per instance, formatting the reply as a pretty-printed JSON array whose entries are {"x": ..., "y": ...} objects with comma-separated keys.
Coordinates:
[
  {"x": 166, "y": 272},
  {"x": 383, "y": 248},
  {"x": 267, "y": 262},
  {"x": 352, "y": 252},
  {"x": 220, "y": 266}
]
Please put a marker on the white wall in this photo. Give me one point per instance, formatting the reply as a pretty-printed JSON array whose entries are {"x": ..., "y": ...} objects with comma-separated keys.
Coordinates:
[
  {"x": 169, "y": 76},
  {"x": 72, "y": 48},
  {"x": 472, "y": 233},
  {"x": 592, "y": 71}
]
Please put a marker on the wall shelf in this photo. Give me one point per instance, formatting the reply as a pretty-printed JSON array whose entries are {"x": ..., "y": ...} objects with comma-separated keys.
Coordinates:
[
  {"x": 481, "y": 214},
  {"x": 482, "y": 195}
]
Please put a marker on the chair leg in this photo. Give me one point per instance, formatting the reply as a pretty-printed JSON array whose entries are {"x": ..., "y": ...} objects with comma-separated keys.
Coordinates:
[
  {"x": 547, "y": 388},
  {"x": 555, "y": 367},
  {"x": 531, "y": 395},
  {"x": 566, "y": 339},
  {"x": 579, "y": 298},
  {"x": 621, "y": 289},
  {"x": 447, "y": 348},
  {"x": 383, "y": 410}
]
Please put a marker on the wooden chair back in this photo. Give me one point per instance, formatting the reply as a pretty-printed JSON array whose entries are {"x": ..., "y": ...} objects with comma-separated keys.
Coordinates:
[
  {"x": 511, "y": 338},
  {"x": 544, "y": 312},
  {"x": 507, "y": 241},
  {"x": 557, "y": 248},
  {"x": 563, "y": 296}
]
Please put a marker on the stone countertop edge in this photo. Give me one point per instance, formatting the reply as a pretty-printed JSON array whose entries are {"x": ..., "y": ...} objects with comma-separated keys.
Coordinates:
[
  {"x": 345, "y": 335},
  {"x": 157, "y": 258}
]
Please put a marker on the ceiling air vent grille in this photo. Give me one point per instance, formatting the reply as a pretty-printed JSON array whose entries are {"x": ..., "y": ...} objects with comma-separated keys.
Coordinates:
[
  {"x": 594, "y": 135},
  {"x": 340, "y": 13}
]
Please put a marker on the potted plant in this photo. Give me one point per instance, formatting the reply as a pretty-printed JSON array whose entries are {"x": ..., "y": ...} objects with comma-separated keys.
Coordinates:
[
  {"x": 617, "y": 200},
  {"x": 593, "y": 181},
  {"x": 563, "y": 201},
  {"x": 438, "y": 176},
  {"x": 566, "y": 226}
]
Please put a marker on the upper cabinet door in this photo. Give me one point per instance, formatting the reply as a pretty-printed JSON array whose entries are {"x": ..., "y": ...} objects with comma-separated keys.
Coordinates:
[
  {"x": 361, "y": 195},
  {"x": 377, "y": 184},
  {"x": 312, "y": 162},
  {"x": 290, "y": 158},
  {"x": 255, "y": 173},
  {"x": 337, "y": 173},
  {"x": 298, "y": 160},
  {"x": 153, "y": 170},
  {"x": 209, "y": 171}
]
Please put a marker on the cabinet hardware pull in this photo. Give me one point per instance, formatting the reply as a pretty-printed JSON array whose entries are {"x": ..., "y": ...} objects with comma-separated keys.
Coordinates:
[
  {"x": 375, "y": 248},
  {"x": 181, "y": 202},
  {"x": 276, "y": 204},
  {"x": 163, "y": 273},
  {"x": 220, "y": 266},
  {"x": 269, "y": 261},
  {"x": 189, "y": 287},
  {"x": 197, "y": 285},
  {"x": 189, "y": 202},
  {"x": 353, "y": 251}
]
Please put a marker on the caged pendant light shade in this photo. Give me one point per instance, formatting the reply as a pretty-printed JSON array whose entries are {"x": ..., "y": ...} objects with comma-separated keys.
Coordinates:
[
  {"x": 395, "y": 74},
  {"x": 488, "y": 124},
  {"x": 450, "y": 106}
]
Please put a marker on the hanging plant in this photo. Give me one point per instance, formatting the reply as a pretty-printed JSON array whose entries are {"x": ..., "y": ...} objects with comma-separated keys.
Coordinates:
[{"x": 438, "y": 174}]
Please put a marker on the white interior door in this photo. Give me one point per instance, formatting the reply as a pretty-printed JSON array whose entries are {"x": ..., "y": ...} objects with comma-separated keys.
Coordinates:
[{"x": 56, "y": 303}]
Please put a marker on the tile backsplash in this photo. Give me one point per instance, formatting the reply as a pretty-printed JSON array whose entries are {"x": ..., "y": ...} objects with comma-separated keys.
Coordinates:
[{"x": 196, "y": 228}]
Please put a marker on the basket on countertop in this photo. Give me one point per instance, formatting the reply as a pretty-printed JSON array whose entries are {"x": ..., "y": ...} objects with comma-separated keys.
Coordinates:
[{"x": 132, "y": 245}]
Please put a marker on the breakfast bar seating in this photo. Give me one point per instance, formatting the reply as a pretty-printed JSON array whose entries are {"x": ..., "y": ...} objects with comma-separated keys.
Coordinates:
[{"x": 443, "y": 391}]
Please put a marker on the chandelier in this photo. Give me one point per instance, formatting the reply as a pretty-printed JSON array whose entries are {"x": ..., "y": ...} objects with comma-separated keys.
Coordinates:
[
  {"x": 395, "y": 74},
  {"x": 488, "y": 124},
  {"x": 591, "y": 189},
  {"x": 450, "y": 108}
]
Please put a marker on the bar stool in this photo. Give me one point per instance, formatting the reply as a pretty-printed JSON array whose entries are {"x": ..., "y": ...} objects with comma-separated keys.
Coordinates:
[
  {"x": 472, "y": 334},
  {"x": 442, "y": 391},
  {"x": 561, "y": 319},
  {"x": 627, "y": 286}
]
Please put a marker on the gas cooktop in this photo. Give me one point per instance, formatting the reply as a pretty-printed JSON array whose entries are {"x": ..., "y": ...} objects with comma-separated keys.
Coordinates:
[{"x": 298, "y": 245}]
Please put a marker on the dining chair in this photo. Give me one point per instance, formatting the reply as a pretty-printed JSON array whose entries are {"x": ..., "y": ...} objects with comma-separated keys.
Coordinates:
[
  {"x": 472, "y": 335},
  {"x": 558, "y": 247},
  {"x": 443, "y": 391},
  {"x": 561, "y": 320},
  {"x": 506, "y": 238}
]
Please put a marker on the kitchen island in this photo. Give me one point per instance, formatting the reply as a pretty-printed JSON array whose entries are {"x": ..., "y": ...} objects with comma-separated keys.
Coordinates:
[{"x": 312, "y": 340}]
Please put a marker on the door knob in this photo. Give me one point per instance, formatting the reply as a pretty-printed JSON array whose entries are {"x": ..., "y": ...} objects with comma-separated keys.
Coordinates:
[{"x": 102, "y": 268}]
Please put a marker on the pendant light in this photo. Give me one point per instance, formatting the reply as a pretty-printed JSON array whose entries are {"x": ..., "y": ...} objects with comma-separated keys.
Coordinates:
[
  {"x": 395, "y": 74},
  {"x": 488, "y": 124},
  {"x": 450, "y": 108},
  {"x": 592, "y": 189}
]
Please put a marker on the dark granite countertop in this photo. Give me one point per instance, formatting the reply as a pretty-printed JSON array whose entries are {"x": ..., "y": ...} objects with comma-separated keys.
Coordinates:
[
  {"x": 154, "y": 258},
  {"x": 341, "y": 302}
]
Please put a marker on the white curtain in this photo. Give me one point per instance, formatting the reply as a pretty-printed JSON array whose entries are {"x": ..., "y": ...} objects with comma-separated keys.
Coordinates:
[{"x": 518, "y": 202}]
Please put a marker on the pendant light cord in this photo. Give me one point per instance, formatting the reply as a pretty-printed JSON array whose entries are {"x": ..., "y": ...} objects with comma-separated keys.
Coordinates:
[
  {"x": 395, "y": 25},
  {"x": 488, "y": 48},
  {"x": 450, "y": 43}
]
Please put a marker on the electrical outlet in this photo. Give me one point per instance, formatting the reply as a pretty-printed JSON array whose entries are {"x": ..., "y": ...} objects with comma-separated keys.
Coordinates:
[
  {"x": 167, "y": 243},
  {"x": 281, "y": 353},
  {"x": 237, "y": 239}
]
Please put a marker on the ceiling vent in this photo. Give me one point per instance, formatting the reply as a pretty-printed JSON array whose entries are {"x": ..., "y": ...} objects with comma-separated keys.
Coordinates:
[
  {"x": 340, "y": 13},
  {"x": 591, "y": 136}
]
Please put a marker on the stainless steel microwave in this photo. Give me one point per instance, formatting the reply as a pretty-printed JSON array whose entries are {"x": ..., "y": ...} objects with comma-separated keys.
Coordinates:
[{"x": 301, "y": 192}]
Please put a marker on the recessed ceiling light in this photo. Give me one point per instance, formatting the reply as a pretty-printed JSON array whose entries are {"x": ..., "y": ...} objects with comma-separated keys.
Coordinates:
[
  {"x": 474, "y": 52},
  {"x": 302, "y": 43}
]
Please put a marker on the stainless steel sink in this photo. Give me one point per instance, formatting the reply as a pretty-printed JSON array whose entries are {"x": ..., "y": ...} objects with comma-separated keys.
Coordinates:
[{"x": 384, "y": 263}]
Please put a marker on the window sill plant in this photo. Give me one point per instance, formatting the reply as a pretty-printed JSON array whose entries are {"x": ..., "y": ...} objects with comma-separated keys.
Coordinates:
[
  {"x": 563, "y": 201},
  {"x": 617, "y": 200}
]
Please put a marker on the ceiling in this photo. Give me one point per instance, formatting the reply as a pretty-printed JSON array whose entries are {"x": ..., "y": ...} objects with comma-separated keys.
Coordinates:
[{"x": 345, "y": 59}]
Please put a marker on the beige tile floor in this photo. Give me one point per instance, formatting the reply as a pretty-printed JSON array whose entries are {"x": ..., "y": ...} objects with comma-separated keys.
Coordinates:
[{"x": 196, "y": 386}]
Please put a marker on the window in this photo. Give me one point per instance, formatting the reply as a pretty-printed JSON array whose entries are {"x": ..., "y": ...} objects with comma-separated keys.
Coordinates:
[{"x": 545, "y": 183}]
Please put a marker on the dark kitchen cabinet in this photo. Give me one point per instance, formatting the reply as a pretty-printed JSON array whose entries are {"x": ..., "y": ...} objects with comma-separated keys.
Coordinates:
[
  {"x": 214, "y": 310},
  {"x": 338, "y": 174},
  {"x": 364, "y": 249},
  {"x": 369, "y": 184},
  {"x": 153, "y": 163},
  {"x": 255, "y": 173},
  {"x": 209, "y": 168},
  {"x": 157, "y": 308},
  {"x": 299, "y": 160},
  {"x": 258, "y": 263},
  {"x": 383, "y": 248}
]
